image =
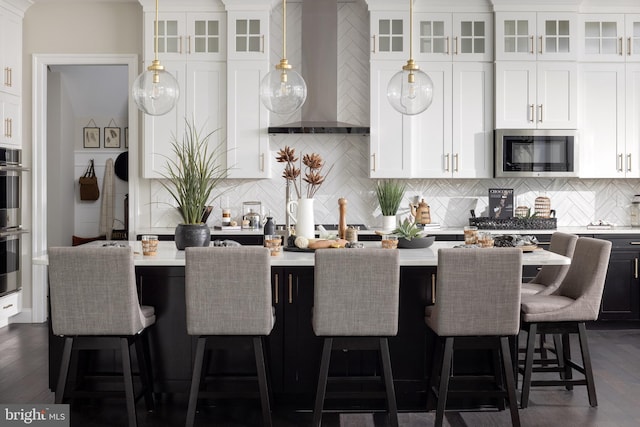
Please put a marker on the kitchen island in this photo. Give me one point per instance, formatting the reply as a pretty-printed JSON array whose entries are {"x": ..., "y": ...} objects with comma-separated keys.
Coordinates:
[{"x": 293, "y": 349}]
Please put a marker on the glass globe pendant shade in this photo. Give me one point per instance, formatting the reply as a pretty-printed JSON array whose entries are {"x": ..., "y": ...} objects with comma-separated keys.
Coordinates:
[
  {"x": 410, "y": 91},
  {"x": 283, "y": 91},
  {"x": 155, "y": 91}
]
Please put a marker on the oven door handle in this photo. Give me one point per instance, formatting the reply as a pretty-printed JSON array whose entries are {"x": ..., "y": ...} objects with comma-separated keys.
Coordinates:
[
  {"x": 11, "y": 233},
  {"x": 12, "y": 168}
]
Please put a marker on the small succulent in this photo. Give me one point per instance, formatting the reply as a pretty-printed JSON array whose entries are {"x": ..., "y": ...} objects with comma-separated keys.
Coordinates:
[{"x": 408, "y": 230}]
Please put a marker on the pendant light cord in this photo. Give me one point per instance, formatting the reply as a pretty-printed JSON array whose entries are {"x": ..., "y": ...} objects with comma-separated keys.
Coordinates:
[
  {"x": 284, "y": 29},
  {"x": 410, "y": 29},
  {"x": 156, "y": 38}
]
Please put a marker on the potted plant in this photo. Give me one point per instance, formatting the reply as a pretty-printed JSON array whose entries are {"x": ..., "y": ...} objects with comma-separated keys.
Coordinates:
[
  {"x": 390, "y": 194},
  {"x": 410, "y": 236},
  {"x": 191, "y": 176}
]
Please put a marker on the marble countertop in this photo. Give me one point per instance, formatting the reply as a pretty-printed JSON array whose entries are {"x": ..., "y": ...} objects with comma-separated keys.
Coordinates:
[{"x": 168, "y": 255}]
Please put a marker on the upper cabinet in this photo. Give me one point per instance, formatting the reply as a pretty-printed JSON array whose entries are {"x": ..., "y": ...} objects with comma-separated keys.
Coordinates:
[
  {"x": 453, "y": 36},
  {"x": 248, "y": 35},
  {"x": 11, "y": 51},
  {"x": 389, "y": 32},
  {"x": 536, "y": 36},
  {"x": 610, "y": 37}
]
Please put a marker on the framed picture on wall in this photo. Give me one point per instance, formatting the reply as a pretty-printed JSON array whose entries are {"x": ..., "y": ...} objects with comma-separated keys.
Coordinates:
[
  {"x": 91, "y": 138},
  {"x": 111, "y": 137}
]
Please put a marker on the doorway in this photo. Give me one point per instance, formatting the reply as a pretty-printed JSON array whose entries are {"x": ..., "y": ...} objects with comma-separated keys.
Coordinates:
[{"x": 42, "y": 64}]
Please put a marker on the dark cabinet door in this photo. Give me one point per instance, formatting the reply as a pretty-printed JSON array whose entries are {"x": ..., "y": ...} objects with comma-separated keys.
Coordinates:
[{"x": 621, "y": 297}]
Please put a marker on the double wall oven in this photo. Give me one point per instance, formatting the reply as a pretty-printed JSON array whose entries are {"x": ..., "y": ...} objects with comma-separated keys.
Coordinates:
[{"x": 11, "y": 230}]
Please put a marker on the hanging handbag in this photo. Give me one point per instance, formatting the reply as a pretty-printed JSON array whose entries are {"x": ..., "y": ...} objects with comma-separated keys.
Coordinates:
[{"x": 89, "y": 184}]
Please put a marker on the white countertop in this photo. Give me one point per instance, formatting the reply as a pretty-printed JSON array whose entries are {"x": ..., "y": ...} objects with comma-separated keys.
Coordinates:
[{"x": 168, "y": 256}]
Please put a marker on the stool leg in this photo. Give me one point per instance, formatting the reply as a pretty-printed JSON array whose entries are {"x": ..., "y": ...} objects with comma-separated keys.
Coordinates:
[
  {"x": 586, "y": 361},
  {"x": 388, "y": 382},
  {"x": 509, "y": 378},
  {"x": 144, "y": 365},
  {"x": 435, "y": 369},
  {"x": 322, "y": 382},
  {"x": 559, "y": 350},
  {"x": 566, "y": 354},
  {"x": 125, "y": 343},
  {"x": 195, "y": 381},
  {"x": 444, "y": 381},
  {"x": 64, "y": 369},
  {"x": 262, "y": 381},
  {"x": 528, "y": 365}
]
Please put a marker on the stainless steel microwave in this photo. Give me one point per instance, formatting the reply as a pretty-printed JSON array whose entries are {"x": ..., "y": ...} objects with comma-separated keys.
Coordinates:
[{"x": 536, "y": 153}]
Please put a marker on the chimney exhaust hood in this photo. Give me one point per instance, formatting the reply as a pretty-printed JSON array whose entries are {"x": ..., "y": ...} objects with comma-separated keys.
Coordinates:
[{"x": 320, "y": 72}]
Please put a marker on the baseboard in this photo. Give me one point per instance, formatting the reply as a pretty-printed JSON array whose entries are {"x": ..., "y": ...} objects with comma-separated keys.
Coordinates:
[{"x": 23, "y": 317}]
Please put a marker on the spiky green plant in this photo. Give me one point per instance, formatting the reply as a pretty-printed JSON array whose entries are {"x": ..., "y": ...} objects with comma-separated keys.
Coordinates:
[
  {"x": 194, "y": 173},
  {"x": 390, "y": 194},
  {"x": 408, "y": 230}
]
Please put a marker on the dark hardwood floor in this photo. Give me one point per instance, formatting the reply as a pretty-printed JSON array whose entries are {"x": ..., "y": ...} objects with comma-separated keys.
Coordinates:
[{"x": 615, "y": 353}]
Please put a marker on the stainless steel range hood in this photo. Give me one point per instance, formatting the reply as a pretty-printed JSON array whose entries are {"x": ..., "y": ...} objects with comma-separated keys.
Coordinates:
[{"x": 320, "y": 72}]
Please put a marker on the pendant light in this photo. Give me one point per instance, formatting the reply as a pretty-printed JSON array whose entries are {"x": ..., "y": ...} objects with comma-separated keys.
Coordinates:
[
  {"x": 410, "y": 91},
  {"x": 155, "y": 91},
  {"x": 283, "y": 90}
]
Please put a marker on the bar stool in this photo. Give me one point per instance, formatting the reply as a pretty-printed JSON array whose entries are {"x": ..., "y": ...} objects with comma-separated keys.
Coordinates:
[
  {"x": 356, "y": 295},
  {"x": 228, "y": 293},
  {"x": 478, "y": 297},
  {"x": 565, "y": 312},
  {"x": 94, "y": 305}
]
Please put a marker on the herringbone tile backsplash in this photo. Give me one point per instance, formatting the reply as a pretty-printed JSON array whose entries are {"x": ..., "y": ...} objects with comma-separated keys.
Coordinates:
[{"x": 576, "y": 201}]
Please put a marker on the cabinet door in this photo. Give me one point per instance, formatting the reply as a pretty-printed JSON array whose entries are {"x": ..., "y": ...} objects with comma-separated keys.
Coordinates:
[
  {"x": 433, "y": 33},
  {"x": 248, "y": 35},
  {"x": 515, "y": 94},
  {"x": 556, "y": 36},
  {"x": 171, "y": 36},
  {"x": 620, "y": 298},
  {"x": 515, "y": 35},
  {"x": 472, "y": 120},
  {"x": 632, "y": 30},
  {"x": 601, "y": 124},
  {"x": 206, "y": 36},
  {"x": 601, "y": 37},
  {"x": 10, "y": 111},
  {"x": 632, "y": 122},
  {"x": 389, "y": 35},
  {"x": 472, "y": 37},
  {"x": 247, "y": 138},
  {"x": 390, "y": 155},
  {"x": 430, "y": 139},
  {"x": 557, "y": 96},
  {"x": 11, "y": 53}
]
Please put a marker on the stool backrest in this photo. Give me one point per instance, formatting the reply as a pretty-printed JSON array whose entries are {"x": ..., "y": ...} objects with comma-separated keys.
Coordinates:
[
  {"x": 585, "y": 280},
  {"x": 92, "y": 291},
  {"x": 356, "y": 292},
  {"x": 477, "y": 292},
  {"x": 228, "y": 291},
  {"x": 552, "y": 275}
]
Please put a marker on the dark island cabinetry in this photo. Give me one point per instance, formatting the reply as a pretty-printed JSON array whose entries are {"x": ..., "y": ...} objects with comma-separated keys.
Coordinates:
[{"x": 621, "y": 296}]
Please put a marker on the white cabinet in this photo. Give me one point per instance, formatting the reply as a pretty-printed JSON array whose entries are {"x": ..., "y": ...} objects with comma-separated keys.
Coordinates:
[
  {"x": 10, "y": 305},
  {"x": 192, "y": 47},
  {"x": 536, "y": 94},
  {"x": 11, "y": 51},
  {"x": 389, "y": 31},
  {"x": 247, "y": 64},
  {"x": 536, "y": 35},
  {"x": 609, "y": 127},
  {"x": 610, "y": 37},
  {"x": 10, "y": 112},
  {"x": 457, "y": 36}
]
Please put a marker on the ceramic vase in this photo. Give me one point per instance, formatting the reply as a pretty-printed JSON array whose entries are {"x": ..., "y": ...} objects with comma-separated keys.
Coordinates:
[
  {"x": 192, "y": 235},
  {"x": 301, "y": 212},
  {"x": 389, "y": 222}
]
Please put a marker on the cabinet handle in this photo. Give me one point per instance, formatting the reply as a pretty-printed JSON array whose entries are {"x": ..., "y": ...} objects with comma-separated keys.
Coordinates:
[
  {"x": 446, "y": 162},
  {"x": 628, "y": 162},
  {"x": 635, "y": 268},
  {"x": 262, "y": 43},
  {"x": 290, "y": 289},
  {"x": 262, "y": 162},
  {"x": 448, "y": 47},
  {"x": 433, "y": 288},
  {"x": 275, "y": 289},
  {"x": 180, "y": 45},
  {"x": 634, "y": 243},
  {"x": 374, "y": 162},
  {"x": 532, "y": 51},
  {"x": 455, "y": 162},
  {"x": 540, "y": 51},
  {"x": 373, "y": 50},
  {"x": 9, "y": 128},
  {"x": 531, "y": 112},
  {"x": 621, "y": 50},
  {"x": 629, "y": 46},
  {"x": 540, "y": 115},
  {"x": 455, "y": 45},
  {"x": 7, "y": 306},
  {"x": 9, "y": 76},
  {"x": 544, "y": 243}
]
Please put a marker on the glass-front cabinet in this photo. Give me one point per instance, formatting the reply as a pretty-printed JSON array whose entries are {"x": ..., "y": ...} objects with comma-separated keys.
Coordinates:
[
  {"x": 457, "y": 36},
  {"x": 248, "y": 32},
  {"x": 610, "y": 37},
  {"x": 536, "y": 36},
  {"x": 389, "y": 35}
]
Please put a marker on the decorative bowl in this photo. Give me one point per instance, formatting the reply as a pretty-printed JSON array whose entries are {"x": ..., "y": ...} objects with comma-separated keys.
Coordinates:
[{"x": 416, "y": 243}]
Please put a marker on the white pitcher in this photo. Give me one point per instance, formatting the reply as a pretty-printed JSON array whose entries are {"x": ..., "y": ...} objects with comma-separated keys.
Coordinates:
[{"x": 302, "y": 214}]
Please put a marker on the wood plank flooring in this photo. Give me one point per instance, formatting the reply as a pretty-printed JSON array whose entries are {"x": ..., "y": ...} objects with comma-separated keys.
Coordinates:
[{"x": 615, "y": 353}]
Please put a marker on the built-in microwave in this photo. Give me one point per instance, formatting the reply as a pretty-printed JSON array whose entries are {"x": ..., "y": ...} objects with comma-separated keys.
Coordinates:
[{"x": 536, "y": 153}]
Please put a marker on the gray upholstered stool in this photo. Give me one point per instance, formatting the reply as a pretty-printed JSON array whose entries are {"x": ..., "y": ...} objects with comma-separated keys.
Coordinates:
[
  {"x": 228, "y": 293},
  {"x": 94, "y": 305},
  {"x": 478, "y": 296},
  {"x": 356, "y": 294},
  {"x": 565, "y": 312}
]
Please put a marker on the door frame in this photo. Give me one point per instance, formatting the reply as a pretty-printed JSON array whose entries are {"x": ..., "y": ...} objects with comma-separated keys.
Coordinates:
[{"x": 40, "y": 62}]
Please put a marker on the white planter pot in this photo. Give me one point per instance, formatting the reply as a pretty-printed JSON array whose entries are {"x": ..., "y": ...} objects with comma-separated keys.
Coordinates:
[{"x": 389, "y": 222}]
